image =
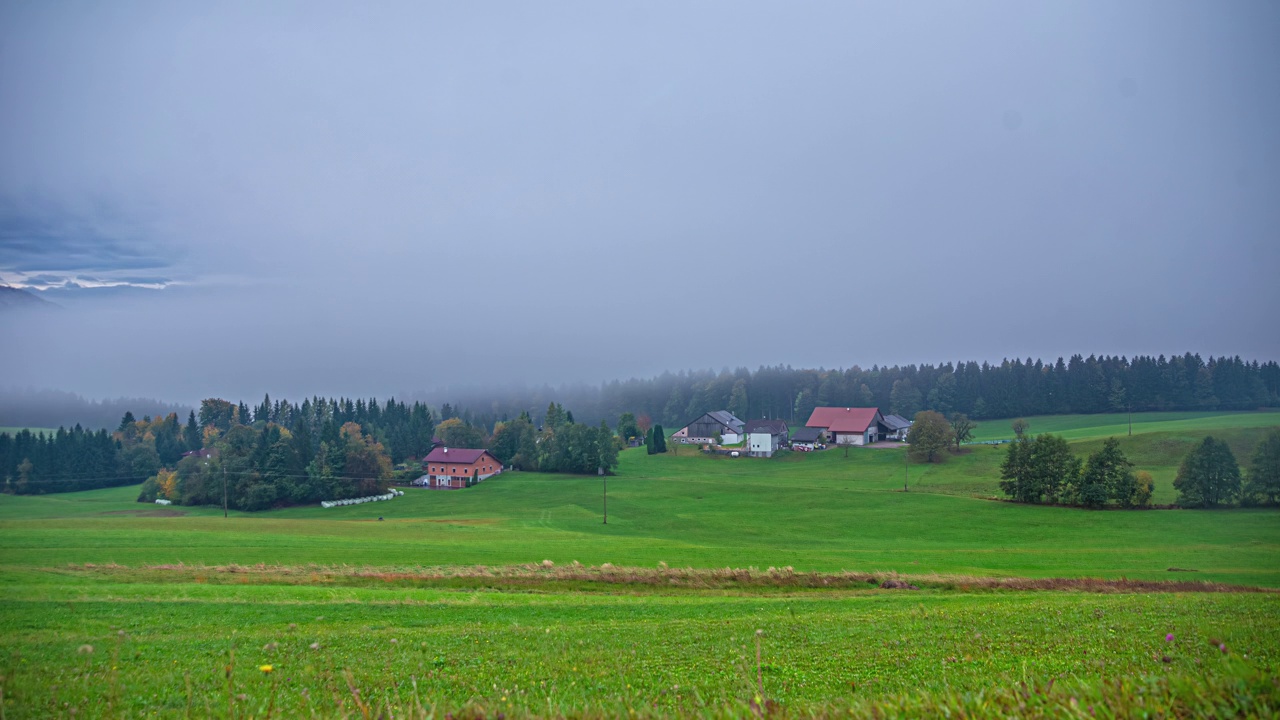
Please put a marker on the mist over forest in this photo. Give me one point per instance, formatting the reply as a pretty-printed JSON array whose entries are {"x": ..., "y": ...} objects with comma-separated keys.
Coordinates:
[
  {"x": 44, "y": 408},
  {"x": 981, "y": 390}
]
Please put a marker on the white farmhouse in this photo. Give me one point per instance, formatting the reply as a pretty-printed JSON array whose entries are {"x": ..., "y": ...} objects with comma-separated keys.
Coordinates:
[{"x": 765, "y": 437}]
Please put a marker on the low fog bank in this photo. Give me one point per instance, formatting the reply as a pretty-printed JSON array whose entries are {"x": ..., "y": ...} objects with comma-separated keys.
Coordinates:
[
  {"x": 421, "y": 198},
  {"x": 187, "y": 343},
  {"x": 44, "y": 408},
  {"x": 491, "y": 355}
]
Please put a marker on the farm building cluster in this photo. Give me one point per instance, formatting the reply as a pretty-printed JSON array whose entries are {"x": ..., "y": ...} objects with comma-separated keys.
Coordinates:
[
  {"x": 453, "y": 468},
  {"x": 762, "y": 438}
]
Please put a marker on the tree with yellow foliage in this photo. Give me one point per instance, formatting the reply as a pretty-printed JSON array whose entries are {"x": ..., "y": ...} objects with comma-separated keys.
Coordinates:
[{"x": 167, "y": 484}]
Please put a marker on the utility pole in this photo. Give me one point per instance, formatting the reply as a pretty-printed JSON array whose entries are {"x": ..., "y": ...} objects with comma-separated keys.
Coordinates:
[
  {"x": 906, "y": 468},
  {"x": 224, "y": 490},
  {"x": 1130, "y": 419},
  {"x": 605, "y": 482}
]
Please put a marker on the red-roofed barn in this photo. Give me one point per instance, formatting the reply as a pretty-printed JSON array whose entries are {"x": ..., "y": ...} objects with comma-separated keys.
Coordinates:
[
  {"x": 848, "y": 426},
  {"x": 457, "y": 467}
]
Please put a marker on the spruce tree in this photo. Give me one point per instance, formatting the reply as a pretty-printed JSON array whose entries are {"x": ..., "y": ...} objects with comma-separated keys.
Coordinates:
[
  {"x": 608, "y": 447},
  {"x": 191, "y": 435},
  {"x": 1015, "y": 471}
]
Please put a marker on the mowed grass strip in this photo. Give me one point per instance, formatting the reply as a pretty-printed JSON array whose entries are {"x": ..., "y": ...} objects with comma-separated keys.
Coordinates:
[
  {"x": 607, "y": 579},
  {"x": 160, "y": 649}
]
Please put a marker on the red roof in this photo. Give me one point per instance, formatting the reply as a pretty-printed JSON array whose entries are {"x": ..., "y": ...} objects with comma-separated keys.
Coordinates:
[
  {"x": 843, "y": 420},
  {"x": 462, "y": 456}
]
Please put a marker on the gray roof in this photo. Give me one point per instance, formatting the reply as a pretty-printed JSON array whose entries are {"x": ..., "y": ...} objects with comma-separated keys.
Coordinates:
[
  {"x": 775, "y": 426},
  {"x": 726, "y": 418},
  {"x": 896, "y": 422},
  {"x": 806, "y": 435}
]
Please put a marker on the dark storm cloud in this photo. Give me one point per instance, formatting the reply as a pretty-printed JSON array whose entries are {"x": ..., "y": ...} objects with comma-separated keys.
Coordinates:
[
  {"x": 41, "y": 239},
  {"x": 606, "y": 190}
]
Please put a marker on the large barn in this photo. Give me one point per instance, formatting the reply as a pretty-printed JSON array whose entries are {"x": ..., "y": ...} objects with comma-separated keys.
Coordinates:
[
  {"x": 718, "y": 422},
  {"x": 849, "y": 426}
]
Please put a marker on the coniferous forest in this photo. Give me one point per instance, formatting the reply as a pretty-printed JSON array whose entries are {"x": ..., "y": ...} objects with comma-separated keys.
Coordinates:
[
  {"x": 982, "y": 391},
  {"x": 281, "y": 453},
  {"x": 277, "y": 453}
]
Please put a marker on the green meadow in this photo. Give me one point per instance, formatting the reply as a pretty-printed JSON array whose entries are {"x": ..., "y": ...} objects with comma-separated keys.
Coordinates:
[
  {"x": 16, "y": 430},
  {"x": 76, "y": 569},
  {"x": 1077, "y": 427},
  {"x": 811, "y": 511},
  {"x": 79, "y": 640}
]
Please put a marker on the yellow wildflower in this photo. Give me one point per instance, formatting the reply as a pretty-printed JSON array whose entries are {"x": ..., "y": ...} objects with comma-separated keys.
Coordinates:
[{"x": 265, "y": 668}]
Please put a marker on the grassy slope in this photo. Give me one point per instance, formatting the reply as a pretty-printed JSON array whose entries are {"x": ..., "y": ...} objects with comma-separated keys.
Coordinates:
[
  {"x": 1078, "y": 427},
  {"x": 550, "y": 650},
  {"x": 816, "y": 511}
]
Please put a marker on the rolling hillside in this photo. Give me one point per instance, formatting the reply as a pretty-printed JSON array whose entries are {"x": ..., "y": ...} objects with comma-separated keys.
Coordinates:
[{"x": 819, "y": 511}]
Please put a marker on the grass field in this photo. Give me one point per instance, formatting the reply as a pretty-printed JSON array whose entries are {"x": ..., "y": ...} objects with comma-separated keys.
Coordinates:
[
  {"x": 565, "y": 652},
  {"x": 1078, "y": 427},
  {"x": 16, "y": 430},
  {"x": 818, "y": 511},
  {"x": 550, "y": 647}
]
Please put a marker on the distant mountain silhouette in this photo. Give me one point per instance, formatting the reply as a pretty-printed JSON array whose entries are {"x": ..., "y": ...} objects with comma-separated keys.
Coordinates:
[{"x": 12, "y": 298}]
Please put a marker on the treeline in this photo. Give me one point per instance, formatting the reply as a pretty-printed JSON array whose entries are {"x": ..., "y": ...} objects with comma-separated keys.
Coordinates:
[
  {"x": 560, "y": 445},
  {"x": 65, "y": 461},
  {"x": 404, "y": 430},
  {"x": 1044, "y": 470},
  {"x": 77, "y": 459},
  {"x": 252, "y": 468},
  {"x": 1011, "y": 388},
  {"x": 279, "y": 453}
]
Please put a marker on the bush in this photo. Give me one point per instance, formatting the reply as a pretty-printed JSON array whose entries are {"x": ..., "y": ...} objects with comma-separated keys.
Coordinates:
[
  {"x": 150, "y": 490},
  {"x": 1145, "y": 486}
]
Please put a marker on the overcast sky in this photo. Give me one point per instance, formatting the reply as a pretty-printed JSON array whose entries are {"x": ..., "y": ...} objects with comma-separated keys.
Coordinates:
[{"x": 346, "y": 199}]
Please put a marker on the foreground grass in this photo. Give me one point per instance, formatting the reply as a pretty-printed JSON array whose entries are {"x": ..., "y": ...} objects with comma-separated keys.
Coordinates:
[
  {"x": 375, "y": 611},
  {"x": 84, "y": 640}
]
